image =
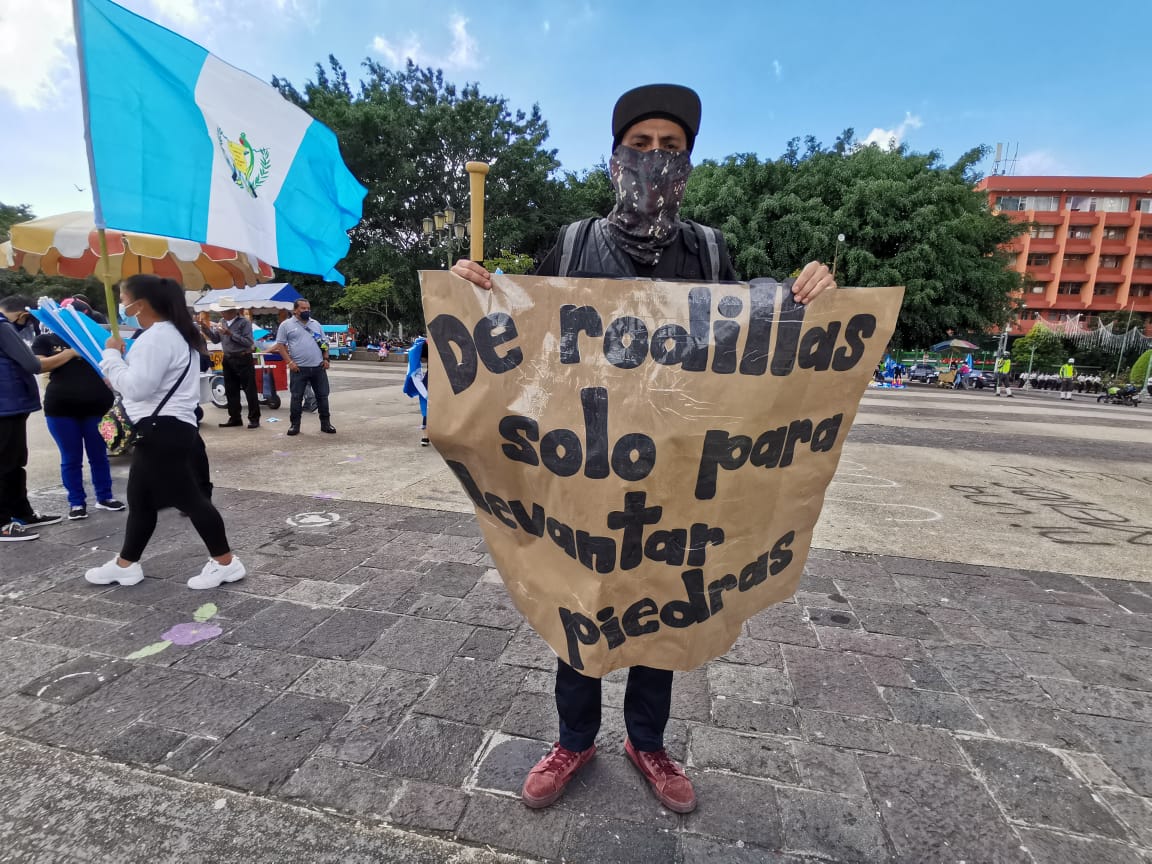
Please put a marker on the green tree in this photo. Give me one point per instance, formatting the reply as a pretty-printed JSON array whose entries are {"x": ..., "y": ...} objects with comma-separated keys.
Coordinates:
[
  {"x": 1139, "y": 373},
  {"x": 512, "y": 263},
  {"x": 1050, "y": 351},
  {"x": 406, "y": 134},
  {"x": 371, "y": 306},
  {"x": 10, "y": 214},
  {"x": 908, "y": 218}
]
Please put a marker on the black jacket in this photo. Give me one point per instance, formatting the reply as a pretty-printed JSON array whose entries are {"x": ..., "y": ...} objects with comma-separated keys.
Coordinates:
[{"x": 684, "y": 260}]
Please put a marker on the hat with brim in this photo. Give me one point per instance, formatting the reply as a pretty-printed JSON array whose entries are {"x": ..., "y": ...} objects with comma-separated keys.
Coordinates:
[{"x": 667, "y": 101}]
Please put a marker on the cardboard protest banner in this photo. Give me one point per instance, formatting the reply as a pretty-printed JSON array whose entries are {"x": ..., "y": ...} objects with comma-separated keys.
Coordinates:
[{"x": 647, "y": 459}]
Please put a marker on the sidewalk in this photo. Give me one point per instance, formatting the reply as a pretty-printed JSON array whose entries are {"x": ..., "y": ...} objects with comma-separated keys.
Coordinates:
[{"x": 898, "y": 710}]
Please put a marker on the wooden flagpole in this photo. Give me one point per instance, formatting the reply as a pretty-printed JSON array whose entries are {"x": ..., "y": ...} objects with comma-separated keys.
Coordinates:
[{"x": 106, "y": 276}]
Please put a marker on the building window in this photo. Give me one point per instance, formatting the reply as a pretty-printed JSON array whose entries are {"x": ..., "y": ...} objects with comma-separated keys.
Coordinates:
[
  {"x": 1075, "y": 262},
  {"x": 1144, "y": 205},
  {"x": 1038, "y": 260},
  {"x": 1079, "y": 232},
  {"x": 1140, "y": 291},
  {"x": 1039, "y": 289},
  {"x": 1110, "y": 262},
  {"x": 1143, "y": 262},
  {"x": 1017, "y": 203},
  {"x": 1115, "y": 233},
  {"x": 1069, "y": 288},
  {"x": 1102, "y": 204},
  {"x": 1145, "y": 233},
  {"x": 1043, "y": 232},
  {"x": 1104, "y": 291}
]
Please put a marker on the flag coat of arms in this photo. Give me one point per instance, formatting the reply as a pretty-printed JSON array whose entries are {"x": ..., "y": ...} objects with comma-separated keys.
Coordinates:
[{"x": 182, "y": 144}]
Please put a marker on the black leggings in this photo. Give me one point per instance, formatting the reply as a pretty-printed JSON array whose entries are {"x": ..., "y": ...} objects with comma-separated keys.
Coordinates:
[{"x": 163, "y": 475}]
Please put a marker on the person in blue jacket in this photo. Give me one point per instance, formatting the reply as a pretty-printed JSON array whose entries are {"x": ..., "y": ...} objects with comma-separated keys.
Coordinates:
[
  {"x": 416, "y": 383},
  {"x": 19, "y": 397}
]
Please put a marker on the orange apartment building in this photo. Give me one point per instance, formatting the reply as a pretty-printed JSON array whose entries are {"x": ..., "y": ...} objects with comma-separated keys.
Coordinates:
[{"x": 1089, "y": 249}]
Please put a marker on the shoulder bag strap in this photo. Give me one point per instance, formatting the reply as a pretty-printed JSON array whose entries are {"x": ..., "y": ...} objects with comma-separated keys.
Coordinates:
[
  {"x": 707, "y": 237},
  {"x": 175, "y": 387}
]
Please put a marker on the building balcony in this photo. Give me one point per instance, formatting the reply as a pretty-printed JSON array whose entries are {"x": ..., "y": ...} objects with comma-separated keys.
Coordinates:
[
  {"x": 1078, "y": 246},
  {"x": 1114, "y": 247},
  {"x": 1047, "y": 217},
  {"x": 1119, "y": 219},
  {"x": 1069, "y": 302},
  {"x": 1084, "y": 217},
  {"x": 1047, "y": 246},
  {"x": 1103, "y": 304},
  {"x": 1141, "y": 277},
  {"x": 1041, "y": 274},
  {"x": 1143, "y": 247},
  {"x": 1109, "y": 274}
]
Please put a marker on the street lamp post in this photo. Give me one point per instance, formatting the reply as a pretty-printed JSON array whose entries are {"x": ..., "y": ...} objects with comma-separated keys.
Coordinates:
[
  {"x": 442, "y": 227},
  {"x": 836, "y": 253}
]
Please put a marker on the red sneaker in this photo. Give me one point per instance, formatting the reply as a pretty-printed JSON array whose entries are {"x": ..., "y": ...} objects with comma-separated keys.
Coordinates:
[
  {"x": 546, "y": 782},
  {"x": 667, "y": 779}
]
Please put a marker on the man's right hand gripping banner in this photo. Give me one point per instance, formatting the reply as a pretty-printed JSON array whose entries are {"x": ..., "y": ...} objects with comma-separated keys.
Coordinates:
[{"x": 647, "y": 459}]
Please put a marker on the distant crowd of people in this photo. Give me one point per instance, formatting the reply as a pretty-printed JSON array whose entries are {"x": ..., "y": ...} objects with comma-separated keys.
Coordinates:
[{"x": 1051, "y": 381}]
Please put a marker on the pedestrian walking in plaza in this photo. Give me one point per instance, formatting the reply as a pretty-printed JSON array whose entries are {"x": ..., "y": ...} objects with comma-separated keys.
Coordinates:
[
  {"x": 160, "y": 389},
  {"x": 300, "y": 340},
  {"x": 1067, "y": 376},
  {"x": 75, "y": 402},
  {"x": 1004, "y": 375},
  {"x": 654, "y": 129},
  {"x": 416, "y": 382},
  {"x": 234, "y": 333},
  {"x": 19, "y": 397}
]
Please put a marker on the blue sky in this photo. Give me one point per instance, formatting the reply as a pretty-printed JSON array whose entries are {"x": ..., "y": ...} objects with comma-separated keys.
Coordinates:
[{"x": 1053, "y": 79}]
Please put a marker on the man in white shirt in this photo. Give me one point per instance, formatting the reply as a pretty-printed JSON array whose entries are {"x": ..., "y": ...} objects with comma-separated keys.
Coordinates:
[{"x": 301, "y": 341}]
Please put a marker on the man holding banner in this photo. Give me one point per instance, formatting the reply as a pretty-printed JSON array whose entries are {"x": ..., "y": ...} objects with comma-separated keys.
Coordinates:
[{"x": 654, "y": 129}]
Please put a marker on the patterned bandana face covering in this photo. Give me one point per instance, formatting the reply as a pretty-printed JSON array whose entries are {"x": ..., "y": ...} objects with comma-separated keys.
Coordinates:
[{"x": 649, "y": 188}]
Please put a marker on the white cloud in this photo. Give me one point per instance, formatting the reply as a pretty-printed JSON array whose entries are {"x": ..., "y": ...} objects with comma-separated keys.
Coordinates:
[
  {"x": 463, "y": 53},
  {"x": 547, "y": 25},
  {"x": 777, "y": 69},
  {"x": 1041, "y": 163},
  {"x": 886, "y": 138},
  {"x": 35, "y": 50},
  {"x": 187, "y": 14}
]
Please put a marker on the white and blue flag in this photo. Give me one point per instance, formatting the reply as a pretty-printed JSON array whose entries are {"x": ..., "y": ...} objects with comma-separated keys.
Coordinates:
[{"x": 182, "y": 144}]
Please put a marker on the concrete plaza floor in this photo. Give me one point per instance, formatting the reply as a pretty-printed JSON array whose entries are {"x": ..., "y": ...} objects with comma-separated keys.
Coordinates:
[{"x": 964, "y": 676}]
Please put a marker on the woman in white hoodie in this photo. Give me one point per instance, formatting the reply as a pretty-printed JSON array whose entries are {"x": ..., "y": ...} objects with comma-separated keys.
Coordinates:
[{"x": 159, "y": 383}]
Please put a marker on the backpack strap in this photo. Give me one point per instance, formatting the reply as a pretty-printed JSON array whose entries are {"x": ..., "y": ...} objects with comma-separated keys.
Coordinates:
[
  {"x": 707, "y": 238},
  {"x": 569, "y": 235}
]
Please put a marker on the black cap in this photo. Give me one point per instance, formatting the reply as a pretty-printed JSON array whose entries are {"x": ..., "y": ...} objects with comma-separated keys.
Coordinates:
[{"x": 669, "y": 101}]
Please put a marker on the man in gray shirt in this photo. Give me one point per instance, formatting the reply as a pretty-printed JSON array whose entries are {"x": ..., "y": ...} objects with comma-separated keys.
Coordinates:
[
  {"x": 234, "y": 333},
  {"x": 301, "y": 340}
]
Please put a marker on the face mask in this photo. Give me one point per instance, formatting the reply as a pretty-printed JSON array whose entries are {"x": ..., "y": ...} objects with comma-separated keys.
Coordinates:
[
  {"x": 649, "y": 188},
  {"x": 305, "y": 315},
  {"x": 128, "y": 320}
]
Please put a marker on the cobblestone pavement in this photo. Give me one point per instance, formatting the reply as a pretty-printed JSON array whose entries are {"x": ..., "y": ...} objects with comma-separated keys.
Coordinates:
[{"x": 898, "y": 710}]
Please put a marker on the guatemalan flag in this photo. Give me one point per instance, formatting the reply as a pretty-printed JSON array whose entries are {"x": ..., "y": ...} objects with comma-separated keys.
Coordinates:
[{"x": 182, "y": 144}]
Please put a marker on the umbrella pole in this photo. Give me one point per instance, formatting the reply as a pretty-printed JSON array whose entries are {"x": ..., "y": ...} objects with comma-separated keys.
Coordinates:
[{"x": 106, "y": 275}]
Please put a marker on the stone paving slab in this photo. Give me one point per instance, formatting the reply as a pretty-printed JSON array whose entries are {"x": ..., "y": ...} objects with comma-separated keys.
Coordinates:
[{"x": 896, "y": 710}]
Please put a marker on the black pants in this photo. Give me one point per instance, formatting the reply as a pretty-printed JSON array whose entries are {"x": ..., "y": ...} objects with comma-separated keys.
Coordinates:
[
  {"x": 317, "y": 376},
  {"x": 13, "y": 479},
  {"x": 647, "y": 703},
  {"x": 164, "y": 474},
  {"x": 240, "y": 375}
]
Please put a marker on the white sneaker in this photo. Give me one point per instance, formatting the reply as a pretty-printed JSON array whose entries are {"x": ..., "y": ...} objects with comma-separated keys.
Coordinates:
[
  {"x": 112, "y": 572},
  {"x": 215, "y": 574}
]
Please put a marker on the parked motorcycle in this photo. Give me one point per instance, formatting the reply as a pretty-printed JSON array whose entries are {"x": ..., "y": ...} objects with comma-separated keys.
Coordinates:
[{"x": 1120, "y": 396}]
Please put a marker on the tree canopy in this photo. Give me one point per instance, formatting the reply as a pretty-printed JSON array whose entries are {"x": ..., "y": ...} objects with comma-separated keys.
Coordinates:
[
  {"x": 908, "y": 219},
  {"x": 407, "y": 134}
]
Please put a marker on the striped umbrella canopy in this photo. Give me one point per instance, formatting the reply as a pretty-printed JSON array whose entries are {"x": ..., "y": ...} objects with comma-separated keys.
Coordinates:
[{"x": 68, "y": 245}]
